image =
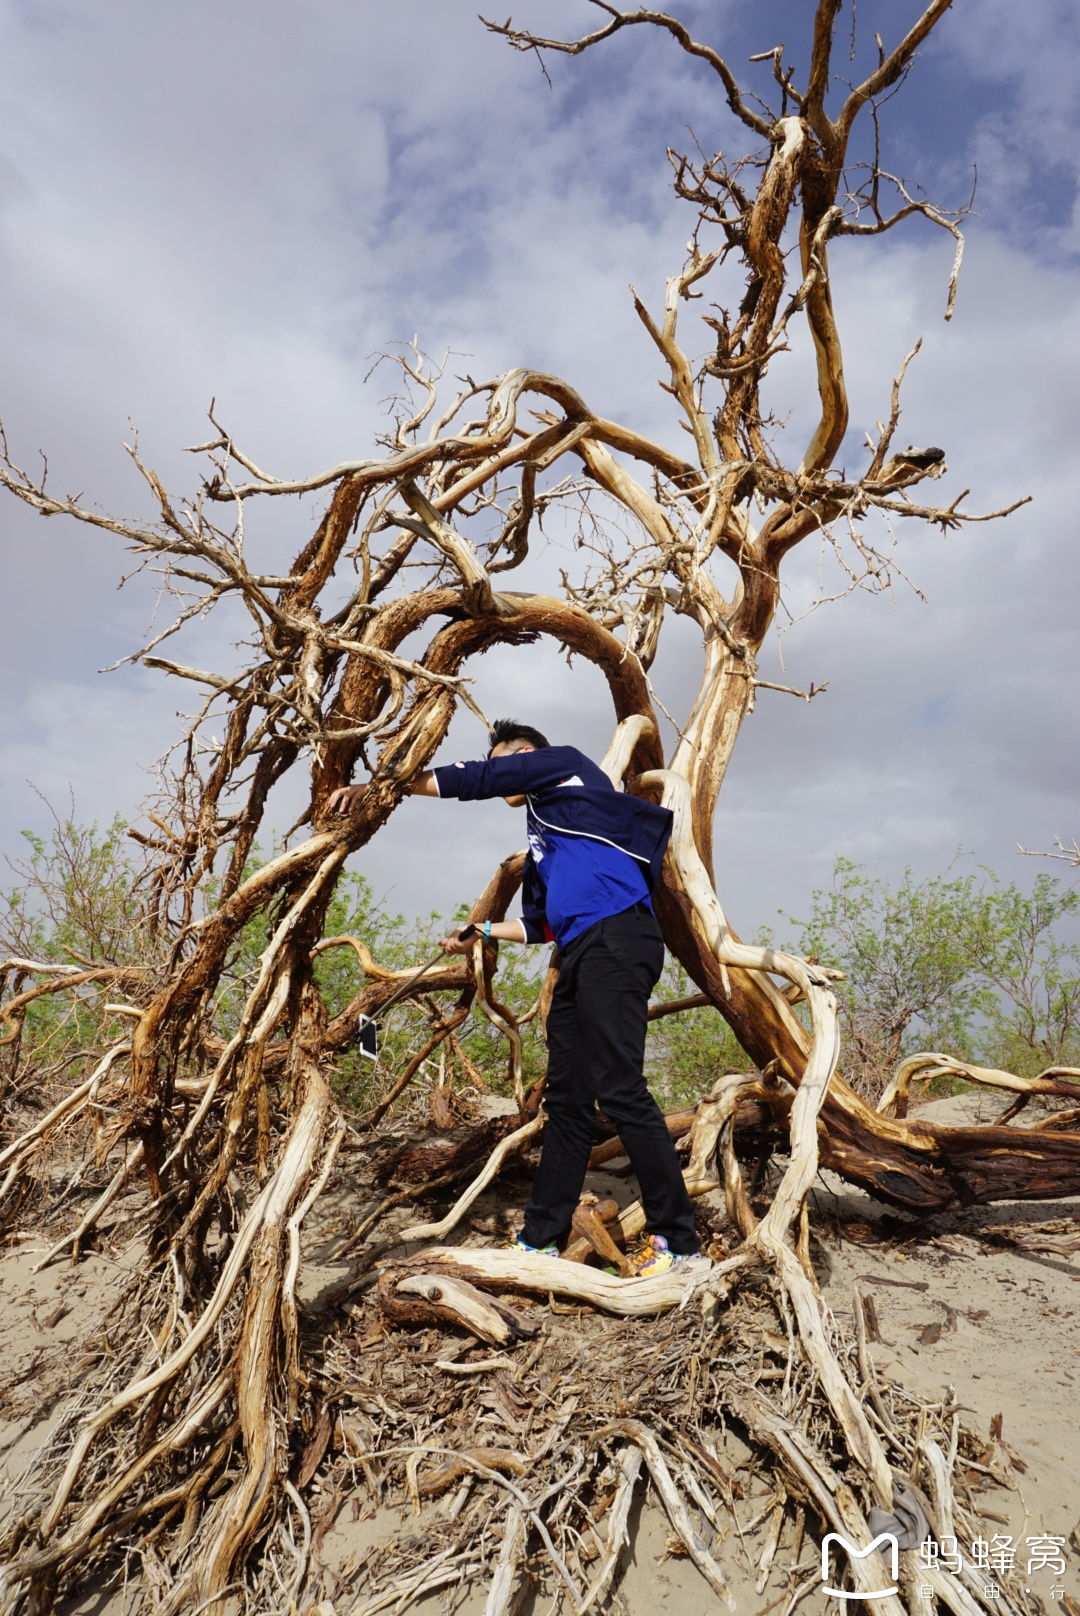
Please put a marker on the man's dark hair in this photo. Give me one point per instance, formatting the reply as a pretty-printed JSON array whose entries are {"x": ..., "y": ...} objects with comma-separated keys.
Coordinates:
[{"x": 505, "y": 731}]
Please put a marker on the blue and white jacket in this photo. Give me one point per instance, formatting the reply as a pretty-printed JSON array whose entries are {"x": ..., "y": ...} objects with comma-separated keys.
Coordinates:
[{"x": 566, "y": 793}]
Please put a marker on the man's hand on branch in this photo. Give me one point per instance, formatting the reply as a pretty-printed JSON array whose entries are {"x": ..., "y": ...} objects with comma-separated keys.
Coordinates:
[
  {"x": 456, "y": 944},
  {"x": 347, "y": 798}
]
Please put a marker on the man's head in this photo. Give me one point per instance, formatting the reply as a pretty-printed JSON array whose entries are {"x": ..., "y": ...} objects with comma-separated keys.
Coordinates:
[{"x": 507, "y": 736}]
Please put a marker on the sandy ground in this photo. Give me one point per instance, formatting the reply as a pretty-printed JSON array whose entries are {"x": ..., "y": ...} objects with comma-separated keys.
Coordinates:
[
  {"x": 1005, "y": 1342},
  {"x": 1008, "y": 1342}
]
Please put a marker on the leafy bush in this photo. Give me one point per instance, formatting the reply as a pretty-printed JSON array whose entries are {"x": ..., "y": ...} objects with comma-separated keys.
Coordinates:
[
  {"x": 76, "y": 901},
  {"x": 976, "y": 971},
  {"x": 1033, "y": 1017}
]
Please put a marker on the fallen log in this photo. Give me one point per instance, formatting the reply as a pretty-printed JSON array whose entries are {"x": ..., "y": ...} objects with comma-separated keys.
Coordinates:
[
  {"x": 1054, "y": 1081},
  {"x": 1057, "y": 1238},
  {"x": 754, "y": 1125},
  {"x": 629, "y": 1298},
  {"x": 678, "y": 1123},
  {"x": 423, "y": 1297},
  {"x": 417, "y": 1164},
  {"x": 512, "y": 1143}
]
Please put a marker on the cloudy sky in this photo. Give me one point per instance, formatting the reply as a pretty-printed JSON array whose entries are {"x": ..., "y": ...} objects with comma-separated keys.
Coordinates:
[{"x": 244, "y": 201}]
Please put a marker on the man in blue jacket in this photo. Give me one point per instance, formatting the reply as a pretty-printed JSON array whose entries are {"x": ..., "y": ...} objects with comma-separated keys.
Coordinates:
[{"x": 594, "y": 857}]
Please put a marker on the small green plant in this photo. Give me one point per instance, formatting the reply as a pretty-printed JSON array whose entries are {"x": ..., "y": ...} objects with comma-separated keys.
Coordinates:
[
  {"x": 910, "y": 977},
  {"x": 76, "y": 897}
]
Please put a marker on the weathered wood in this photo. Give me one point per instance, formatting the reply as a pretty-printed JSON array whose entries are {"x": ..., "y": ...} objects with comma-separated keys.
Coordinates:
[
  {"x": 451, "y": 1471},
  {"x": 426, "y": 1298},
  {"x": 629, "y": 1298},
  {"x": 590, "y": 1224},
  {"x": 509, "y": 1145},
  {"x": 330, "y": 681}
]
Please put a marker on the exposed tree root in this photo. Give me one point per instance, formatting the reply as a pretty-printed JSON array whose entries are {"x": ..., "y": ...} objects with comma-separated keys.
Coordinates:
[{"x": 682, "y": 1377}]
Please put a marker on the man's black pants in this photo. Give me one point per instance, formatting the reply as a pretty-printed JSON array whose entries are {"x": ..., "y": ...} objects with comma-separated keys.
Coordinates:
[{"x": 596, "y": 1049}]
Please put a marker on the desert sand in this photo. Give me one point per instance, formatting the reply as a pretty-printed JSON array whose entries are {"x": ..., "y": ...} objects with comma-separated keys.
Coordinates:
[{"x": 965, "y": 1317}]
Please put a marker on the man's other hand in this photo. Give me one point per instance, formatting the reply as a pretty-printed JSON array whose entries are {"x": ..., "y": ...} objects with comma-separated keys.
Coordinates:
[
  {"x": 454, "y": 943},
  {"x": 345, "y": 799}
]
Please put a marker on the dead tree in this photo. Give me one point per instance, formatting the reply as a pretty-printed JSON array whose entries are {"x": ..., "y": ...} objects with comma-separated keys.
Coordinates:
[{"x": 199, "y": 1428}]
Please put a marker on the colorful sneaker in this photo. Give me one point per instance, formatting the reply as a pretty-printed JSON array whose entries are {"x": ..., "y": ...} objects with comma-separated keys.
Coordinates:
[
  {"x": 515, "y": 1243},
  {"x": 653, "y": 1257}
]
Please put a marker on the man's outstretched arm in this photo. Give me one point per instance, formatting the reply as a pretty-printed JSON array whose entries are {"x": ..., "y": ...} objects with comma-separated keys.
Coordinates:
[{"x": 530, "y": 929}]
